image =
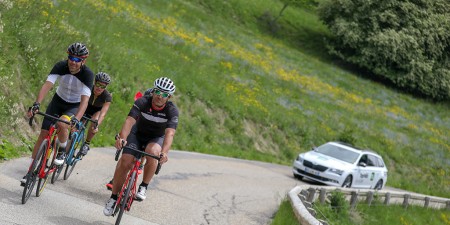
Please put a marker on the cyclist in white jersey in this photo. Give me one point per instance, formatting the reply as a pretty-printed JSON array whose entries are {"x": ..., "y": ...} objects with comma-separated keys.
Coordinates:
[{"x": 71, "y": 97}]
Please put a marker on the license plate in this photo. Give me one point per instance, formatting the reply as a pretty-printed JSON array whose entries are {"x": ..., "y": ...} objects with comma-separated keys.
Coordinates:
[{"x": 311, "y": 171}]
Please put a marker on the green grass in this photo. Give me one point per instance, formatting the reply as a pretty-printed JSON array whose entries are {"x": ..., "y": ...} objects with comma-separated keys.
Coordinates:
[
  {"x": 285, "y": 215},
  {"x": 375, "y": 214},
  {"x": 381, "y": 214},
  {"x": 243, "y": 90}
]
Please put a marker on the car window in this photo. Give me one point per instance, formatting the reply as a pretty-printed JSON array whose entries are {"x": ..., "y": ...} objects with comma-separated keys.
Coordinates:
[
  {"x": 338, "y": 153},
  {"x": 372, "y": 160},
  {"x": 363, "y": 159},
  {"x": 380, "y": 162}
]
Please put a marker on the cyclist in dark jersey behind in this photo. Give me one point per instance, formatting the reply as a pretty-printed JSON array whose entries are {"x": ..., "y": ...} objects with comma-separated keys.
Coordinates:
[
  {"x": 150, "y": 126},
  {"x": 98, "y": 106},
  {"x": 71, "y": 97}
]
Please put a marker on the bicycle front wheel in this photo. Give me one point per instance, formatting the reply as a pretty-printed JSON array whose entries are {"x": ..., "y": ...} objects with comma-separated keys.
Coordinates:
[
  {"x": 33, "y": 173},
  {"x": 72, "y": 162},
  {"x": 42, "y": 165},
  {"x": 127, "y": 199}
]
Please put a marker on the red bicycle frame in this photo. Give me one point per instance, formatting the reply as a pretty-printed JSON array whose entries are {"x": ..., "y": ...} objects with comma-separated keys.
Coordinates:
[
  {"x": 132, "y": 172},
  {"x": 51, "y": 138}
]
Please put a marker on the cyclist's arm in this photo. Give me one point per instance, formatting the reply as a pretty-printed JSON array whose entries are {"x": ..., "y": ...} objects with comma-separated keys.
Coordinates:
[
  {"x": 103, "y": 112},
  {"x": 126, "y": 128},
  {"x": 44, "y": 90},
  {"x": 82, "y": 108},
  {"x": 168, "y": 139}
]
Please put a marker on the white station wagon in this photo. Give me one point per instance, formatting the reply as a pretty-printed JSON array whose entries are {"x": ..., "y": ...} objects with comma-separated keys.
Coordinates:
[{"x": 340, "y": 164}]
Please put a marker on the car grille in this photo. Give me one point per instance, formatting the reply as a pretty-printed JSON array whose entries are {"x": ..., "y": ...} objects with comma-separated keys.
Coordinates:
[
  {"x": 315, "y": 167},
  {"x": 315, "y": 176}
]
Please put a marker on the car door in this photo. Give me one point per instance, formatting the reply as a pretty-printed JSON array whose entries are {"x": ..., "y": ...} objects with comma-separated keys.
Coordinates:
[
  {"x": 366, "y": 172},
  {"x": 378, "y": 171},
  {"x": 373, "y": 172},
  {"x": 361, "y": 173}
]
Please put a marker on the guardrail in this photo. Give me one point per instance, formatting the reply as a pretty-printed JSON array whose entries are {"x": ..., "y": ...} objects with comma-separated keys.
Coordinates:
[{"x": 302, "y": 197}]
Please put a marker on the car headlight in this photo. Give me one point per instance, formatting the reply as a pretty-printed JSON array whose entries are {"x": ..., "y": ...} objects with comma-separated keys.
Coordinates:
[
  {"x": 299, "y": 158},
  {"x": 336, "y": 171}
]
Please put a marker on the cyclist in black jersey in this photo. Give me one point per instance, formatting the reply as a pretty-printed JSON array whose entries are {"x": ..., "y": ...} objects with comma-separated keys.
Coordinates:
[
  {"x": 71, "y": 97},
  {"x": 147, "y": 93},
  {"x": 150, "y": 126},
  {"x": 98, "y": 106}
]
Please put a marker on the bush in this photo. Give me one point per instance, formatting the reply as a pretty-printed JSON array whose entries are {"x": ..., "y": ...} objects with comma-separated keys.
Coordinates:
[
  {"x": 338, "y": 203},
  {"x": 406, "y": 42}
]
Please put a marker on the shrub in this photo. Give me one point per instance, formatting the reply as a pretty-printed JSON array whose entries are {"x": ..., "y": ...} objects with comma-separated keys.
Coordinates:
[{"x": 405, "y": 42}]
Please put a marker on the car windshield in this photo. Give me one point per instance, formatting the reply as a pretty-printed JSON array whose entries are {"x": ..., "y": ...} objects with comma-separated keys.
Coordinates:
[{"x": 338, "y": 153}]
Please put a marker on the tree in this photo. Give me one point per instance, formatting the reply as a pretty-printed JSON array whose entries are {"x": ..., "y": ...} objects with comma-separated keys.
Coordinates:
[{"x": 405, "y": 41}]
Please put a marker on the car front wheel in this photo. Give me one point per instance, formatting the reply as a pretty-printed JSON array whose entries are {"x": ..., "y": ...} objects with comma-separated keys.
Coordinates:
[{"x": 347, "y": 182}]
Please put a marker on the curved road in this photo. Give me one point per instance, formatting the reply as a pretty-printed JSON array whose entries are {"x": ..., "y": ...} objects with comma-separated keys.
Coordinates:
[{"x": 191, "y": 188}]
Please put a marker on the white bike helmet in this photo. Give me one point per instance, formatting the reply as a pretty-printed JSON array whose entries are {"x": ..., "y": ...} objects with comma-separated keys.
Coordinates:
[{"x": 165, "y": 84}]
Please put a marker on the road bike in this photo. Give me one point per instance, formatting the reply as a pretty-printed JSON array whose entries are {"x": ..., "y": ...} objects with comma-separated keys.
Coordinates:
[
  {"x": 127, "y": 194},
  {"x": 42, "y": 165},
  {"x": 77, "y": 140}
]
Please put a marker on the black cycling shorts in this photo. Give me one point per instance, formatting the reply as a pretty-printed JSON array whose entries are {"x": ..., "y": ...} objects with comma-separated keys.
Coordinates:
[
  {"x": 138, "y": 142},
  {"x": 59, "y": 107}
]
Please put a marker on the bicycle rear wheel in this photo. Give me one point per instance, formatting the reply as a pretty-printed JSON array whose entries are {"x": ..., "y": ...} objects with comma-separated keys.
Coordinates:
[
  {"x": 56, "y": 173},
  {"x": 75, "y": 156},
  {"x": 33, "y": 173},
  {"x": 58, "y": 169},
  {"x": 127, "y": 199}
]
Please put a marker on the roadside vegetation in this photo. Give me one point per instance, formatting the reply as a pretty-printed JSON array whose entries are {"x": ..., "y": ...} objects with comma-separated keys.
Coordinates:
[
  {"x": 246, "y": 88},
  {"x": 337, "y": 211}
]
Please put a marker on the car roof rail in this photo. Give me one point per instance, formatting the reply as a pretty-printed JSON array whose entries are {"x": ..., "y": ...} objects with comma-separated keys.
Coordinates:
[
  {"x": 347, "y": 144},
  {"x": 370, "y": 150}
]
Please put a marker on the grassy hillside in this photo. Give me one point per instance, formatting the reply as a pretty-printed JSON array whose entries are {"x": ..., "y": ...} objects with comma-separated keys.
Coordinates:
[{"x": 242, "y": 90}]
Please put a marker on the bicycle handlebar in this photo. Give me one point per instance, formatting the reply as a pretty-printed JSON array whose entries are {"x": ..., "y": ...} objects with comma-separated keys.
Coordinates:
[
  {"x": 92, "y": 121},
  {"x": 133, "y": 149},
  {"x": 158, "y": 167},
  {"x": 30, "y": 122}
]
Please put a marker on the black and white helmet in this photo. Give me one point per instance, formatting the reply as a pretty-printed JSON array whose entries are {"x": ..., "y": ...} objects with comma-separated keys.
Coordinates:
[
  {"x": 78, "y": 49},
  {"x": 165, "y": 84},
  {"x": 103, "y": 77}
]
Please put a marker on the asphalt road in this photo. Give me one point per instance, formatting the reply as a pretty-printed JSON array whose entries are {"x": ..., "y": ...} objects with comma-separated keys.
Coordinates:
[{"x": 191, "y": 188}]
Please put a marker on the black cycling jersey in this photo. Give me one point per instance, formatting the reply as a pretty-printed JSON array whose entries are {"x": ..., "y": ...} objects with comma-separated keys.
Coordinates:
[
  {"x": 96, "y": 103},
  {"x": 150, "y": 122},
  {"x": 71, "y": 86}
]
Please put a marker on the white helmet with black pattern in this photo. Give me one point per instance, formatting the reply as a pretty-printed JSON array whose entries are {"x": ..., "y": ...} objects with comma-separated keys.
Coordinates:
[{"x": 164, "y": 84}]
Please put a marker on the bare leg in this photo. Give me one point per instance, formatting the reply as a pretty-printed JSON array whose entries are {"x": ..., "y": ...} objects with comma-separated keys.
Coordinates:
[
  {"x": 123, "y": 166},
  {"x": 150, "y": 166}
]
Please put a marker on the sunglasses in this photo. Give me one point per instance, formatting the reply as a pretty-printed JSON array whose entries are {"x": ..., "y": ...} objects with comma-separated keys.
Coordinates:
[
  {"x": 162, "y": 94},
  {"x": 74, "y": 59},
  {"x": 99, "y": 85}
]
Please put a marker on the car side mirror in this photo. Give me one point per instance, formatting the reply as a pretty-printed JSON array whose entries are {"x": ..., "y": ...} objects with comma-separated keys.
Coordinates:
[{"x": 362, "y": 164}]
